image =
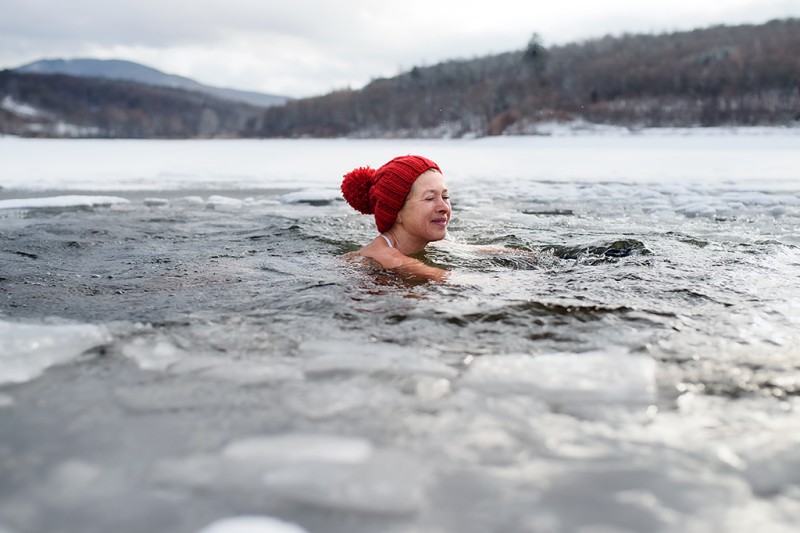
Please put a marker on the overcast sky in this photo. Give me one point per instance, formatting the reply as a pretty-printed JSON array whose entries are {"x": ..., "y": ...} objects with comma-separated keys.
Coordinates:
[{"x": 309, "y": 47}]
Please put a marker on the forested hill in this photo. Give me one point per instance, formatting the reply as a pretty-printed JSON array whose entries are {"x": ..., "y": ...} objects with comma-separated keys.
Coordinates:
[
  {"x": 58, "y": 105},
  {"x": 723, "y": 75}
]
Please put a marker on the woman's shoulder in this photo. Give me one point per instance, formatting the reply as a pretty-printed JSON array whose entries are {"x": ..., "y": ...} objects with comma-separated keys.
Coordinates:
[{"x": 380, "y": 251}]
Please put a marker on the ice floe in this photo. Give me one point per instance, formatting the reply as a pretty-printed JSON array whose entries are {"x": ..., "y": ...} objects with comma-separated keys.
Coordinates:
[
  {"x": 312, "y": 196},
  {"x": 332, "y": 357},
  {"x": 62, "y": 202},
  {"x": 296, "y": 448},
  {"x": 327, "y": 471},
  {"x": 6, "y": 401},
  {"x": 28, "y": 349},
  {"x": 567, "y": 378},
  {"x": 221, "y": 202},
  {"x": 252, "y": 524},
  {"x": 164, "y": 354},
  {"x": 389, "y": 482},
  {"x": 155, "y": 202}
]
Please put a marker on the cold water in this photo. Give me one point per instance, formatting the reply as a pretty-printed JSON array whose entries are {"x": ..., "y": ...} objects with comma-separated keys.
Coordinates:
[{"x": 184, "y": 343}]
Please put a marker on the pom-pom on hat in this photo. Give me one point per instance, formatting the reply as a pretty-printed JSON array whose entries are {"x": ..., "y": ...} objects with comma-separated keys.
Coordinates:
[{"x": 383, "y": 192}]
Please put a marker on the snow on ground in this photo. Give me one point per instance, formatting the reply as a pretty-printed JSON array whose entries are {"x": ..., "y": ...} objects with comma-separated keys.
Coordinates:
[{"x": 19, "y": 108}]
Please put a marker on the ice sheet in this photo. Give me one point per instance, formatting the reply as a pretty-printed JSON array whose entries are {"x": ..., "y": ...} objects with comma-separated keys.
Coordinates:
[{"x": 757, "y": 156}]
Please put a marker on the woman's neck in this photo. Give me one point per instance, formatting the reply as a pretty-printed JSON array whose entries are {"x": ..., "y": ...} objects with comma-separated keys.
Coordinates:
[{"x": 404, "y": 242}]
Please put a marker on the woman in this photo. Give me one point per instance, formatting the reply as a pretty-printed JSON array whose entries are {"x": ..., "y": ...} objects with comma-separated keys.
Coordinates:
[{"x": 409, "y": 199}]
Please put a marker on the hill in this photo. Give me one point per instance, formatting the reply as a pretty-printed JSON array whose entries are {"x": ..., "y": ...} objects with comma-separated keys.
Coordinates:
[
  {"x": 127, "y": 70},
  {"x": 57, "y": 105},
  {"x": 724, "y": 75}
]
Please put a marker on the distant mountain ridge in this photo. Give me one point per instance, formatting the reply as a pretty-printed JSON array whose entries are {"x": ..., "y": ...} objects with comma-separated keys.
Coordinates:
[
  {"x": 116, "y": 69},
  {"x": 61, "y": 105}
]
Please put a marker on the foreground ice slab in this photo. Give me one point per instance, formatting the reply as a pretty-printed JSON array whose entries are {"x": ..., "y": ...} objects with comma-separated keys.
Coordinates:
[
  {"x": 297, "y": 448},
  {"x": 27, "y": 349},
  {"x": 594, "y": 377},
  {"x": 324, "y": 471}
]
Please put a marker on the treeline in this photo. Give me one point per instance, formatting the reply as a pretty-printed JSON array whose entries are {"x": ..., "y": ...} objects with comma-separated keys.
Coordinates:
[
  {"x": 724, "y": 75},
  {"x": 54, "y": 105}
]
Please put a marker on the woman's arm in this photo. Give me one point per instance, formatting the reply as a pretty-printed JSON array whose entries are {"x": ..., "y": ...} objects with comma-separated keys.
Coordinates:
[
  {"x": 392, "y": 259},
  {"x": 419, "y": 270}
]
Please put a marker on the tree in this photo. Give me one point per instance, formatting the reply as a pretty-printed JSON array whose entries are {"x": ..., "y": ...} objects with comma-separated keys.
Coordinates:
[{"x": 535, "y": 54}]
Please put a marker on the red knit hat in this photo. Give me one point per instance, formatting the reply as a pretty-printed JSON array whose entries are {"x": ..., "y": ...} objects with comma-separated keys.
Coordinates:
[{"x": 383, "y": 192}]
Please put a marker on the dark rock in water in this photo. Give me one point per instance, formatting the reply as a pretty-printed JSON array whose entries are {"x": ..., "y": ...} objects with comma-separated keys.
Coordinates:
[
  {"x": 318, "y": 203},
  {"x": 27, "y": 254},
  {"x": 316, "y": 198},
  {"x": 549, "y": 212},
  {"x": 613, "y": 249}
]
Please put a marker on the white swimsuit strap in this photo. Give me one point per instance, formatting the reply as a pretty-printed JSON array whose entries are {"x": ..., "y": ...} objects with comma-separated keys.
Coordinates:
[{"x": 389, "y": 242}]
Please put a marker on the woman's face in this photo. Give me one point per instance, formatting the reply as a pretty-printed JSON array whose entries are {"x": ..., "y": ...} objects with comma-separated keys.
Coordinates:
[{"x": 426, "y": 213}]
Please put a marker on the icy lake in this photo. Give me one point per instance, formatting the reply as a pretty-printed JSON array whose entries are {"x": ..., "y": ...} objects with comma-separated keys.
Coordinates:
[{"x": 184, "y": 348}]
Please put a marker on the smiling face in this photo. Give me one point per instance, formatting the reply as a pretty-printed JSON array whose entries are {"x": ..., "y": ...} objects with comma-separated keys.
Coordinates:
[{"x": 426, "y": 212}]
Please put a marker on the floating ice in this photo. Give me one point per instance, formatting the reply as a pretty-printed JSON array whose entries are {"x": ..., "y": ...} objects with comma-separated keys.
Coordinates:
[
  {"x": 252, "y": 524},
  {"x": 332, "y": 357},
  {"x": 74, "y": 480},
  {"x": 155, "y": 202},
  {"x": 759, "y": 198},
  {"x": 61, "y": 201},
  {"x": 329, "y": 471},
  {"x": 215, "y": 202},
  {"x": 696, "y": 209},
  {"x": 161, "y": 353},
  {"x": 312, "y": 196},
  {"x": 294, "y": 448},
  {"x": 389, "y": 482},
  {"x": 591, "y": 377},
  {"x": 251, "y": 372},
  {"x": 153, "y": 354},
  {"x": 191, "y": 200},
  {"x": 772, "y": 468},
  {"x": 26, "y": 349},
  {"x": 331, "y": 398},
  {"x": 6, "y": 401}
]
